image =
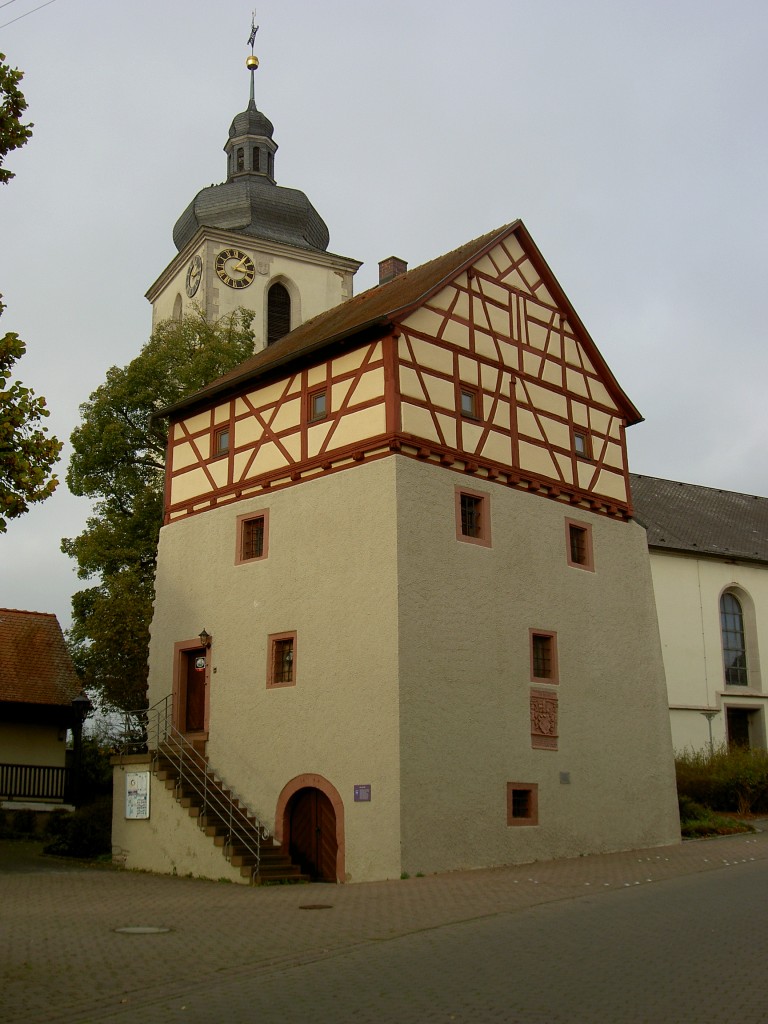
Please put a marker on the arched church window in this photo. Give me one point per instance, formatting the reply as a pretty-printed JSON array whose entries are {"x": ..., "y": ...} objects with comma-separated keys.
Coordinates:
[
  {"x": 734, "y": 647},
  {"x": 177, "y": 307},
  {"x": 241, "y": 159},
  {"x": 256, "y": 159},
  {"x": 278, "y": 313}
]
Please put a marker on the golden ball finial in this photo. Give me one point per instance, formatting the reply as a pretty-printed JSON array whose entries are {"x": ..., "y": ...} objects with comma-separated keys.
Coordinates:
[{"x": 252, "y": 62}]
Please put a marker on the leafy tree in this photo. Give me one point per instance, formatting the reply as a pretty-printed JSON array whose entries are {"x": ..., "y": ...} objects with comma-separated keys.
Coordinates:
[
  {"x": 118, "y": 460},
  {"x": 13, "y": 133},
  {"x": 27, "y": 453}
]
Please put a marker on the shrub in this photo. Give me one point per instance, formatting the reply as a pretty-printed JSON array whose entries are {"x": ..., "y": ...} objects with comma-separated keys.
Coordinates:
[
  {"x": 723, "y": 779},
  {"x": 87, "y": 832}
]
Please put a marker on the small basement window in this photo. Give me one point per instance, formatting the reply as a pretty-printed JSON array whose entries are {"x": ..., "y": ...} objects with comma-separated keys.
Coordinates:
[{"x": 522, "y": 803}]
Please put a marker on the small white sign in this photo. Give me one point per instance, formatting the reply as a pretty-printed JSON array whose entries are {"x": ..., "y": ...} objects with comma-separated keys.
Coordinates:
[{"x": 137, "y": 794}]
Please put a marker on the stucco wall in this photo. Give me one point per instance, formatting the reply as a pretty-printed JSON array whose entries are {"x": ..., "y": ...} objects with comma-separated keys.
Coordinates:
[
  {"x": 330, "y": 575},
  {"x": 32, "y": 744},
  {"x": 169, "y": 841},
  {"x": 465, "y": 615},
  {"x": 688, "y": 591}
]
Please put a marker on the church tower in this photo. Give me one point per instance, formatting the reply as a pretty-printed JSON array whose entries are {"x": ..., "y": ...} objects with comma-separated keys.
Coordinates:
[{"x": 252, "y": 243}]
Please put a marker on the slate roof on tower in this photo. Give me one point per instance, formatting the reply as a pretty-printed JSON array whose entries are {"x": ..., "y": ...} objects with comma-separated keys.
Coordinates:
[{"x": 379, "y": 308}]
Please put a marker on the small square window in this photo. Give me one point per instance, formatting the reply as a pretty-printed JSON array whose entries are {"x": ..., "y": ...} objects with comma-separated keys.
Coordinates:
[
  {"x": 581, "y": 444},
  {"x": 543, "y": 657},
  {"x": 318, "y": 405},
  {"x": 578, "y": 539},
  {"x": 252, "y": 536},
  {"x": 472, "y": 517},
  {"x": 220, "y": 441},
  {"x": 470, "y": 403},
  {"x": 522, "y": 803},
  {"x": 281, "y": 668}
]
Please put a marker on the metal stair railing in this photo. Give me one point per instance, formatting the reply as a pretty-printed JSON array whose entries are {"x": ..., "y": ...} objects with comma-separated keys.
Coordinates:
[{"x": 151, "y": 731}]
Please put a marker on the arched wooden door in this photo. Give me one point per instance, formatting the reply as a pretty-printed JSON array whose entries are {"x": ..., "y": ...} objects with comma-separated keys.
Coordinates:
[{"x": 312, "y": 837}]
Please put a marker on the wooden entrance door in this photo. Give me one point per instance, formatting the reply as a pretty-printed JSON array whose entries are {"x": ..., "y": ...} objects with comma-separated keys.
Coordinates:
[
  {"x": 312, "y": 843},
  {"x": 194, "y": 691}
]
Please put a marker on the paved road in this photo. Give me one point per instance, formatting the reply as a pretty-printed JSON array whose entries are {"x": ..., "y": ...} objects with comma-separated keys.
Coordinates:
[{"x": 667, "y": 936}]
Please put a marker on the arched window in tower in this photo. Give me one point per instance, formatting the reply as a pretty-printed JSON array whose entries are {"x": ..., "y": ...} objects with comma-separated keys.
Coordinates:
[
  {"x": 256, "y": 159},
  {"x": 734, "y": 647},
  {"x": 271, "y": 165},
  {"x": 278, "y": 313},
  {"x": 241, "y": 159},
  {"x": 177, "y": 307}
]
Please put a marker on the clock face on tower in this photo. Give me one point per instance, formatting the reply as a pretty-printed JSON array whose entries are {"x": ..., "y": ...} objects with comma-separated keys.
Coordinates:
[
  {"x": 194, "y": 273},
  {"x": 235, "y": 268}
]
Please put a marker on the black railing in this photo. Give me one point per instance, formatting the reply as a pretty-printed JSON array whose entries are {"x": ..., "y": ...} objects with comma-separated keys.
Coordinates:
[{"x": 33, "y": 782}]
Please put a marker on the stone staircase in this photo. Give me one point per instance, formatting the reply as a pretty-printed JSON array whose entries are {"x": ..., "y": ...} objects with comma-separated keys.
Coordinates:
[{"x": 243, "y": 840}]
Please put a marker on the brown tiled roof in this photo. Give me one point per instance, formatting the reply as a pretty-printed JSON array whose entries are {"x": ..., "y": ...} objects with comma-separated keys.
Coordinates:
[
  {"x": 701, "y": 520},
  {"x": 35, "y": 666},
  {"x": 385, "y": 304}
]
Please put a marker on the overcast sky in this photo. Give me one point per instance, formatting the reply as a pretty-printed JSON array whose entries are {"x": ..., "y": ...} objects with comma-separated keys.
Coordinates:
[{"x": 629, "y": 136}]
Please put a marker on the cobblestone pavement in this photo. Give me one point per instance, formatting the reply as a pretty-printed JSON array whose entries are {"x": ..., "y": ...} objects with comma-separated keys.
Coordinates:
[{"x": 673, "y": 934}]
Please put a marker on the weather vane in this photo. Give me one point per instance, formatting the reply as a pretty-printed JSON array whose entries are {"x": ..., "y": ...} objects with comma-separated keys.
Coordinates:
[{"x": 252, "y": 62}]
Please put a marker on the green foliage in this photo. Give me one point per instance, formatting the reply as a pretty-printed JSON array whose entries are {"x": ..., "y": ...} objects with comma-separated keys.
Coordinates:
[
  {"x": 27, "y": 452},
  {"x": 13, "y": 134},
  {"x": 21, "y": 824},
  {"x": 697, "y": 820},
  {"x": 724, "y": 779},
  {"x": 86, "y": 832},
  {"x": 118, "y": 460}
]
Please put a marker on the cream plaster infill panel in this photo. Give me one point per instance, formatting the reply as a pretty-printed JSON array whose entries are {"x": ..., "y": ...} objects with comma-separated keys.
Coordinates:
[
  {"x": 600, "y": 421},
  {"x": 485, "y": 265},
  {"x": 219, "y": 470},
  {"x": 456, "y": 333},
  {"x": 485, "y": 346},
  {"x": 572, "y": 352},
  {"x": 221, "y": 413},
  {"x": 370, "y": 386},
  {"x": 538, "y": 336},
  {"x": 565, "y": 464},
  {"x": 248, "y": 431},
  {"x": 418, "y": 421},
  {"x": 543, "y": 294},
  {"x": 576, "y": 383},
  {"x": 516, "y": 280},
  {"x": 353, "y": 360},
  {"x": 268, "y": 458},
  {"x": 444, "y": 298},
  {"x": 513, "y": 247},
  {"x": 532, "y": 364},
  {"x": 600, "y": 393},
  {"x": 528, "y": 425},
  {"x": 500, "y": 321},
  {"x": 317, "y": 434},
  {"x": 469, "y": 372},
  {"x": 547, "y": 400},
  {"x": 410, "y": 384},
  {"x": 612, "y": 485},
  {"x": 431, "y": 356},
  {"x": 425, "y": 321},
  {"x": 492, "y": 378},
  {"x": 585, "y": 472},
  {"x": 359, "y": 426},
  {"x": 553, "y": 373},
  {"x": 194, "y": 424},
  {"x": 613, "y": 456},
  {"x": 317, "y": 375},
  {"x": 495, "y": 292},
  {"x": 471, "y": 434},
  {"x": 501, "y": 258},
  {"x": 558, "y": 434},
  {"x": 502, "y": 414},
  {"x": 188, "y": 486},
  {"x": 536, "y": 460},
  {"x": 287, "y": 416},
  {"x": 447, "y": 425},
  {"x": 183, "y": 455},
  {"x": 497, "y": 448},
  {"x": 462, "y": 303},
  {"x": 580, "y": 414},
  {"x": 441, "y": 392},
  {"x": 339, "y": 392}
]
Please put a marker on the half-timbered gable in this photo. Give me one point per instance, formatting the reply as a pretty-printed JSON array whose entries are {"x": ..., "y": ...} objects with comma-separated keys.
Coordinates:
[{"x": 475, "y": 361}]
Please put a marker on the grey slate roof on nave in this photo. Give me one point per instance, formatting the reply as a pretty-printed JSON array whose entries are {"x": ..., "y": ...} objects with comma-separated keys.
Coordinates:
[{"x": 701, "y": 520}]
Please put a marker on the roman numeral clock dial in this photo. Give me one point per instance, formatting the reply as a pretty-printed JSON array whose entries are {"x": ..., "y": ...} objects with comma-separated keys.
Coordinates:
[{"x": 235, "y": 268}]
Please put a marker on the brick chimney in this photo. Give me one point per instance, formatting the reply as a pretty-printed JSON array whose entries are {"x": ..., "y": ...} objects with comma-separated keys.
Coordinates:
[{"x": 391, "y": 268}]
